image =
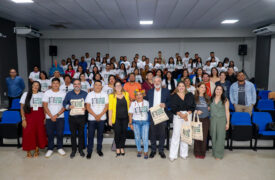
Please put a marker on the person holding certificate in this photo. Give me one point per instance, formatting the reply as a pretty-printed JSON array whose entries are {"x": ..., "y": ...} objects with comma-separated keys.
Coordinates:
[
  {"x": 97, "y": 106},
  {"x": 76, "y": 100},
  {"x": 158, "y": 96},
  {"x": 182, "y": 107}
]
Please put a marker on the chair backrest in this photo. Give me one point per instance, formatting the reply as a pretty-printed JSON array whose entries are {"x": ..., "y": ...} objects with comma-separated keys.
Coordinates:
[
  {"x": 264, "y": 94},
  {"x": 66, "y": 123},
  {"x": 265, "y": 104},
  {"x": 11, "y": 117},
  {"x": 241, "y": 118},
  {"x": 261, "y": 119},
  {"x": 15, "y": 104}
]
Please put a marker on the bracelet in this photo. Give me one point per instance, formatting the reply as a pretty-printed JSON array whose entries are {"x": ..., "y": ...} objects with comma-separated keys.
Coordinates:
[{"x": 23, "y": 118}]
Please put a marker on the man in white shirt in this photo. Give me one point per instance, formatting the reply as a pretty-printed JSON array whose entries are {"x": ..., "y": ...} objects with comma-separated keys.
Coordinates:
[
  {"x": 158, "y": 96},
  {"x": 52, "y": 103},
  {"x": 57, "y": 75},
  {"x": 126, "y": 63},
  {"x": 105, "y": 74},
  {"x": 212, "y": 55},
  {"x": 87, "y": 58},
  {"x": 34, "y": 76},
  {"x": 97, "y": 105},
  {"x": 67, "y": 86},
  {"x": 185, "y": 59}
]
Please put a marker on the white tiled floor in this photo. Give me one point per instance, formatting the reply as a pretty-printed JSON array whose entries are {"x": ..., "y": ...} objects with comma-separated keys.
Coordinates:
[{"x": 237, "y": 165}]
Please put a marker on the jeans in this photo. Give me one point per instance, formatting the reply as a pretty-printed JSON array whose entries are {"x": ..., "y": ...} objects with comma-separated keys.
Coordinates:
[
  {"x": 92, "y": 126},
  {"x": 51, "y": 128},
  {"x": 77, "y": 126},
  {"x": 141, "y": 130}
]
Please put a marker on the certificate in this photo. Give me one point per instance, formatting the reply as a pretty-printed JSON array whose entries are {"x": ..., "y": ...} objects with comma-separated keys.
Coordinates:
[
  {"x": 78, "y": 107},
  {"x": 158, "y": 114}
]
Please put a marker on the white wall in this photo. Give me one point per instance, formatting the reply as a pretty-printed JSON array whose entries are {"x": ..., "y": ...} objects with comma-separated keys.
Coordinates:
[
  {"x": 271, "y": 81},
  {"x": 224, "y": 47}
]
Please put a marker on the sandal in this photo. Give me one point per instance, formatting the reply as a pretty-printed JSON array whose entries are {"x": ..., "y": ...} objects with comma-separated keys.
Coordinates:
[{"x": 29, "y": 154}]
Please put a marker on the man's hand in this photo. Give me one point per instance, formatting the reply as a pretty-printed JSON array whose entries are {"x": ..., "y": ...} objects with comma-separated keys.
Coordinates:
[{"x": 162, "y": 105}]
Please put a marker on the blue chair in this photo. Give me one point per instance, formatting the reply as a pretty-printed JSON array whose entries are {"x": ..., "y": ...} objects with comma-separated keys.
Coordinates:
[
  {"x": 260, "y": 120},
  {"x": 67, "y": 131},
  {"x": 241, "y": 128},
  {"x": 10, "y": 126},
  {"x": 265, "y": 105},
  {"x": 15, "y": 104},
  {"x": 263, "y": 94},
  {"x": 231, "y": 107}
]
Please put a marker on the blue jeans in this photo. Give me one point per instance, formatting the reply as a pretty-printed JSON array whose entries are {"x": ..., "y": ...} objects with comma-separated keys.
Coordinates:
[
  {"x": 141, "y": 130},
  {"x": 51, "y": 128},
  {"x": 92, "y": 126}
]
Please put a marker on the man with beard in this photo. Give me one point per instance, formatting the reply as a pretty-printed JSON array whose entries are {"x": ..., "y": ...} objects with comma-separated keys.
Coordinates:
[
  {"x": 76, "y": 122},
  {"x": 158, "y": 96},
  {"x": 243, "y": 94}
]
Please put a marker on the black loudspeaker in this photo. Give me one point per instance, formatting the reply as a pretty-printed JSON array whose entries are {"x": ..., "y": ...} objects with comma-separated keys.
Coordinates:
[
  {"x": 52, "y": 50},
  {"x": 242, "y": 49}
]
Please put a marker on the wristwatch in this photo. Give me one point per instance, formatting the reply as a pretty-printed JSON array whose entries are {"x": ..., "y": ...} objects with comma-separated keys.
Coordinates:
[{"x": 23, "y": 118}]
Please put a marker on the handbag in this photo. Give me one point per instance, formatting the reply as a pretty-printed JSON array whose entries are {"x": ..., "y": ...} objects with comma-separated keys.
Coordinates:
[
  {"x": 197, "y": 133},
  {"x": 186, "y": 133}
]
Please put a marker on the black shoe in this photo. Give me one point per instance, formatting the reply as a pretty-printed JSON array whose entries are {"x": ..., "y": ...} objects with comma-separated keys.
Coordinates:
[
  {"x": 89, "y": 155},
  {"x": 152, "y": 154},
  {"x": 100, "y": 153},
  {"x": 72, "y": 155},
  {"x": 82, "y": 154},
  {"x": 117, "y": 154},
  {"x": 162, "y": 155}
]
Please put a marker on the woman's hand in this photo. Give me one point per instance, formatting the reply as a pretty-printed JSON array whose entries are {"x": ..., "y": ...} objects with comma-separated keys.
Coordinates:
[
  {"x": 24, "y": 123},
  {"x": 131, "y": 126},
  {"x": 110, "y": 123},
  {"x": 199, "y": 112},
  {"x": 227, "y": 126}
]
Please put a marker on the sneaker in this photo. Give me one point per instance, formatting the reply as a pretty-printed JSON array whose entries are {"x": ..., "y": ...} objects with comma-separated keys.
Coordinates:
[
  {"x": 145, "y": 155},
  {"x": 139, "y": 154},
  {"x": 49, "y": 153},
  {"x": 61, "y": 152},
  {"x": 72, "y": 155}
]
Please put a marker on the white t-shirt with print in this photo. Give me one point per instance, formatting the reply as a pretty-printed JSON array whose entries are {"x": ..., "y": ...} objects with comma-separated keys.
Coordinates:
[
  {"x": 108, "y": 90},
  {"x": 63, "y": 88},
  {"x": 55, "y": 102},
  {"x": 77, "y": 74},
  {"x": 97, "y": 103},
  {"x": 44, "y": 84},
  {"x": 36, "y": 100},
  {"x": 139, "y": 110},
  {"x": 105, "y": 75},
  {"x": 61, "y": 80},
  {"x": 85, "y": 86},
  {"x": 34, "y": 75}
]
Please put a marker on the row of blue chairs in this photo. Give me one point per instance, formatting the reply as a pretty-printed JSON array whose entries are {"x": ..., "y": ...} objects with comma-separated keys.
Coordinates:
[
  {"x": 11, "y": 128},
  {"x": 245, "y": 128}
]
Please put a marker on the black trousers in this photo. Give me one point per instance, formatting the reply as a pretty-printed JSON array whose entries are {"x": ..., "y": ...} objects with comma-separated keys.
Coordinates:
[
  {"x": 77, "y": 127},
  {"x": 120, "y": 128},
  {"x": 157, "y": 131}
]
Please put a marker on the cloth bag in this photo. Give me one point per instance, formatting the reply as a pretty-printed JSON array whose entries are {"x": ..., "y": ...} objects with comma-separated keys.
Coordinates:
[
  {"x": 197, "y": 133},
  {"x": 186, "y": 132}
]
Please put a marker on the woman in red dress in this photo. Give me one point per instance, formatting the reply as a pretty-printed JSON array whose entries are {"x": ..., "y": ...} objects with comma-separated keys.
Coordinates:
[{"x": 33, "y": 117}]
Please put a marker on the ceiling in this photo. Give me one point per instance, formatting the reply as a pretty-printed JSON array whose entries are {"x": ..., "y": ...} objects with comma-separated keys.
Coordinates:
[{"x": 125, "y": 14}]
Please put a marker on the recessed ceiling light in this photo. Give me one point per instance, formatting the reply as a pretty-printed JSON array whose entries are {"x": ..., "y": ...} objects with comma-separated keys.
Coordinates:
[
  {"x": 22, "y": 1},
  {"x": 145, "y": 22},
  {"x": 229, "y": 21}
]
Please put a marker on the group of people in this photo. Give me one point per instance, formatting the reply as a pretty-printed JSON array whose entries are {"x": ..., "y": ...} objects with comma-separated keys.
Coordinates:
[{"x": 120, "y": 95}]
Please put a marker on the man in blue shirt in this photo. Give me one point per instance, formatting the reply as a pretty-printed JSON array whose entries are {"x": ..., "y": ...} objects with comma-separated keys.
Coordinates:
[
  {"x": 83, "y": 63},
  {"x": 15, "y": 86},
  {"x": 76, "y": 121}
]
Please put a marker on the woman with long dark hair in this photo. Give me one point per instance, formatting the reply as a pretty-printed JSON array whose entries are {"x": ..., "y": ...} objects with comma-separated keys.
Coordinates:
[
  {"x": 198, "y": 78},
  {"x": 214, "y": 77},
  {"x": 169, "y": 82},
  {"x": 119, "y": 102},
  {"x": 182, "y": 106},
  {"x": 202, "y": 109},
  {"x": 70, "y": 70},
  {"x": 44, "y": 81},
  {"x": 220, "y": 116},
  {"x": 33, "y": 117},
  {"x": 122, "y": 73}
]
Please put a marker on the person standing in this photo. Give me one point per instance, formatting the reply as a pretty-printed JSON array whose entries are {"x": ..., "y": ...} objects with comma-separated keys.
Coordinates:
[
  {"x": 119, "y": 102},
  {"x": 76, "y": 122},
  {"x": 34, "y": 76},
  {"x": 33, "y": 118},
  {"x": 53, "y": 107},
  {"x": 182, "y": 107},
  {"x": 15, "y": 86},
  {"x": 220, "y": 116},
  {"x": 202, "y": 109},
  {"x": 148, "y": 84},
  {"x": 210, "y": 86},
  {"x": 224, "y": 83},
  {"x": 243, "y": 94},
  {"x": 158, "y": 96},
  {"x": 131, "y": 86},
  {"x": 97, "y": 105},
  {"x": 139, "y": 122},
  {"x": 67, "y": 86}
]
